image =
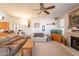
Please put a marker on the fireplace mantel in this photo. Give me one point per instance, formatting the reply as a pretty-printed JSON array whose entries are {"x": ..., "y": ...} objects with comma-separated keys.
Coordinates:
[
  {"x": 67, "y": 36},
  {"x": 73, "y": 34}
]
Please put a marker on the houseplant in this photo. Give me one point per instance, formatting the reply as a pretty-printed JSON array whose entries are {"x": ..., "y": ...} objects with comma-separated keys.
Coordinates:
[{"x": 56, "y": 31}]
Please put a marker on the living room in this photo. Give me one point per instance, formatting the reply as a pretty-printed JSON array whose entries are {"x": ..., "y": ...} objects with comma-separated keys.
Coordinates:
[{"x": 43, "y": 23}]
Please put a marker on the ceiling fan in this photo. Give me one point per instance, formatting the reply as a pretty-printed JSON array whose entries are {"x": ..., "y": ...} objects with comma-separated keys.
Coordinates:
[{"x": 44, "y": 9}]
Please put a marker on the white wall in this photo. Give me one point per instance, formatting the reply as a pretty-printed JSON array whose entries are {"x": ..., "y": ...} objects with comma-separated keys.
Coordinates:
[
  {"x": 8, "y": 18},
  {"x": 41, "y": 21},
  {"x": 21, "y": 24}
]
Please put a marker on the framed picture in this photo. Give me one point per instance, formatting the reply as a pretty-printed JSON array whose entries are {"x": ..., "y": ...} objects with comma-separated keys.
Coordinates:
[
  {"x": 29, "y": 23},
  {"x": 43, "y": 27},
  {"x": 74, "y": 18},
  {"x": 2, "y": 18},
  {"x": 36, "y": 25}
]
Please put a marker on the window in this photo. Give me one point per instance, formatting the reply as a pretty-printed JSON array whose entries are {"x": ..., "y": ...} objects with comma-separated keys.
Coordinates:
[{"x": 61, "y": 24}]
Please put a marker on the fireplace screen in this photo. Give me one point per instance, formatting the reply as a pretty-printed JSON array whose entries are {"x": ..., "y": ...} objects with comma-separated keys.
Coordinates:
[{"x": 75, "y": 42}]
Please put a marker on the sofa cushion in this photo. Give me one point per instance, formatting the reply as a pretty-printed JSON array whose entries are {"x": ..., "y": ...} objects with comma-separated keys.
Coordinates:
[
  {"x": 2, "y": 40},
  {"x": 15, "y": 46},
  {"x": 4, "y": 51},
  {"x": 38, "y": 34},
  {"x": 10, "y": 36}
]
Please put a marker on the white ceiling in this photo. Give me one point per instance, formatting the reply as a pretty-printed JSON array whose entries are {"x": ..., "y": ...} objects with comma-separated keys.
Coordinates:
[{"x": 26, "y": 9}]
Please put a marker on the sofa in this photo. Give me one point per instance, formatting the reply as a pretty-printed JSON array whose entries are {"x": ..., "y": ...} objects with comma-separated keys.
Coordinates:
[
  {"x": 39, "y": 37},
  {"x": 16, "y": 46},
  {"x": 11, "y": 47}
]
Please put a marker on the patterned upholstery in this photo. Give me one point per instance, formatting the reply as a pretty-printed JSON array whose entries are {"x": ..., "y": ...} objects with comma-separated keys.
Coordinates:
[
  {"x": 4, "y": 51},
  {"x": 38, "y": 34},
  {"x": 39, "y": 37},
  {"x": 12, "y": 48}
]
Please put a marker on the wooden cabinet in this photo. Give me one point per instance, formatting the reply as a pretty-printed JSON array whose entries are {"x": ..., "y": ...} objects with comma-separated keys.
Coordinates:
[{"x": 56, "y": 37}]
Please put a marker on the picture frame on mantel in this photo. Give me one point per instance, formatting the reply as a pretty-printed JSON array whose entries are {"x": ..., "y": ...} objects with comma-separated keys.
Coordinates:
[{"x": 74, "y": 18}]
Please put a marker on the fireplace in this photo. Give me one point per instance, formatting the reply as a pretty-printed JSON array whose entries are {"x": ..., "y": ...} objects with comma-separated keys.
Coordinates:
[{"x": 75, "y": 42}]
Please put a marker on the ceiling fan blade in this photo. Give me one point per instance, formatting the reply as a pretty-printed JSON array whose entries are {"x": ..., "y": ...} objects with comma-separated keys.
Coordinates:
[
  {"x": 51, "y": 7},
  {"x": 46, "y": 12},
  {"x": 41, "y": 5},
  {"x": 40, "y": 12}
]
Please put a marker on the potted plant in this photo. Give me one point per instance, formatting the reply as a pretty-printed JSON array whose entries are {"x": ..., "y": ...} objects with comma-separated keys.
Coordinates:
[{"x": 56, "y": 31}]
